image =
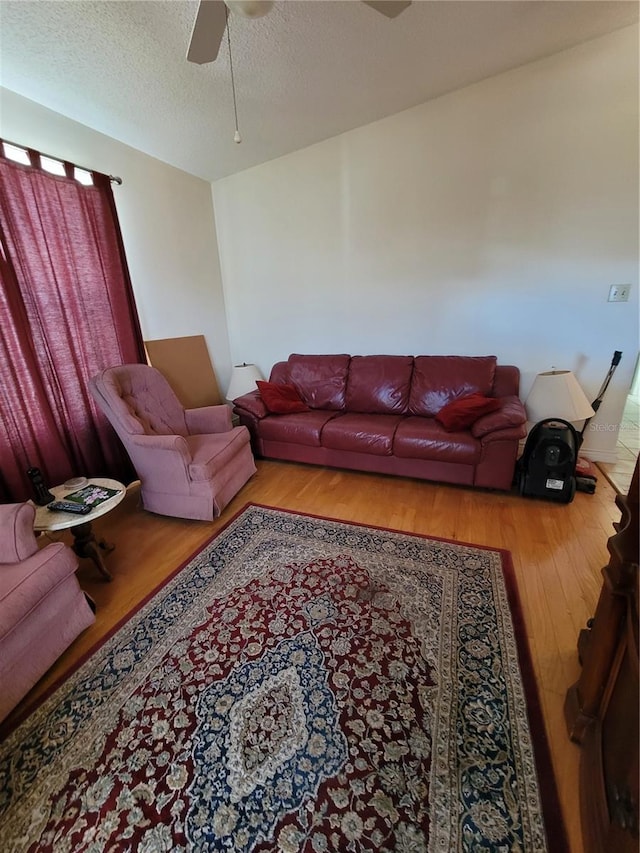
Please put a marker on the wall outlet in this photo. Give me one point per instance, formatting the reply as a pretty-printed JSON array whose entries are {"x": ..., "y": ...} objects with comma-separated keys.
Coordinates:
[{"x": 619, "y": 293}]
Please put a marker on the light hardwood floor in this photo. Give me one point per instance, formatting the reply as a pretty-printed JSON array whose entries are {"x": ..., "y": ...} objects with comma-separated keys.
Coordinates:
[{"x": 558, "y": 552}]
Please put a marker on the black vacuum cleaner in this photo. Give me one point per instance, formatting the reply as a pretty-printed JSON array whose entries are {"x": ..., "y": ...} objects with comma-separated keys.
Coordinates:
[{"x": 549, "y": 466}]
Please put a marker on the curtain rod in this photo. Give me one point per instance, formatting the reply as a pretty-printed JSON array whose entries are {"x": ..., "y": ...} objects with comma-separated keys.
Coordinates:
[{"x": 115, "y": 179}]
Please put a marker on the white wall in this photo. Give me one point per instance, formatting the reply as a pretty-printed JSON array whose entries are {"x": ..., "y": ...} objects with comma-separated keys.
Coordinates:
[
  {"x": 491, "y": 220},
  {"x": 167, "y": 222}
]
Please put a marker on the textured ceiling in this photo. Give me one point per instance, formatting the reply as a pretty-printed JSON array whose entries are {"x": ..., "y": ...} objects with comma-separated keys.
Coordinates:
[{"x": 307, "y": 71}]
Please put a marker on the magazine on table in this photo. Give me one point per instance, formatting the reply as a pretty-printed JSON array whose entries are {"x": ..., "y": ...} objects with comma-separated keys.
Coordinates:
[{"x": 91, "y": 495}]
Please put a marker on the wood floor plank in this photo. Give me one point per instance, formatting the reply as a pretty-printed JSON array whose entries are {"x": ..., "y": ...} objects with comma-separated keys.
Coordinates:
[{"x": 558, "y": 552}]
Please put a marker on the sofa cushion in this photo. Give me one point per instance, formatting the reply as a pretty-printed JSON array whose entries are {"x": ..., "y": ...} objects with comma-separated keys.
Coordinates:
[
  {"x": 361, "y": 433},
  {"x": 281, "y": 399},
  {"x": 320, "y": 379},
  {"x": 425, "y": 438},
  {"x": 379, "y": 384},
  {"x": 462, "y": 413},
  {"x": 439, "y": 379},
  {"x": 300, "y": 428}
]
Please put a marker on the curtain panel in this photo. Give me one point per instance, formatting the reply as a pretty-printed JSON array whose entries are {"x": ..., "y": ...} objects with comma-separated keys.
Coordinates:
[{"x": 66, "y": 312}]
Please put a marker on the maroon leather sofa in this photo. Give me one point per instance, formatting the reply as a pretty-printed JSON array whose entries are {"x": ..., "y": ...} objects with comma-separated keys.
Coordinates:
[{"x": 377, "y": 413}]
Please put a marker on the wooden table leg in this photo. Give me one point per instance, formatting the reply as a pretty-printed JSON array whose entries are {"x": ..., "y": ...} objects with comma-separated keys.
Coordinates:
[{"x": 85, "y": 544}]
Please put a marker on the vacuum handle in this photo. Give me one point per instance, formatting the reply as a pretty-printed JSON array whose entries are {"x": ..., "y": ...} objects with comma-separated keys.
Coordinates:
[{"x": 595, "y": 405}]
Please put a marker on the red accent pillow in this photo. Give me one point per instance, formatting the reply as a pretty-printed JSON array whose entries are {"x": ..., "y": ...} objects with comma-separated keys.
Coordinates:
[
  {"x": 465, "y": 411},
  {"x": 281, "y": 399}
]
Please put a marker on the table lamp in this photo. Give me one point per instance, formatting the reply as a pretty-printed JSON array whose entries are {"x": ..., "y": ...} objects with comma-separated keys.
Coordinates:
[
  {"x": 243, "y": 380},
  {"x": 557, "y": 394}
]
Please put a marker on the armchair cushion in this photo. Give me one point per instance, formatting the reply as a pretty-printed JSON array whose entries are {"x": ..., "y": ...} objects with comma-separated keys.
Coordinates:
[{"x": 142, "y": 400}]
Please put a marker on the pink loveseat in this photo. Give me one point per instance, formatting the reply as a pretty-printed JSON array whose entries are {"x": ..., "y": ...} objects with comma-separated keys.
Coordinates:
[
  {"x": 377, "y": 413},
  {"x": 42, "y": 608}
]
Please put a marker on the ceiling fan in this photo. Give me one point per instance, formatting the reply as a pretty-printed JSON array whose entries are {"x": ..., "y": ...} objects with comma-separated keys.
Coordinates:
[{"x": 211, "y": 20}]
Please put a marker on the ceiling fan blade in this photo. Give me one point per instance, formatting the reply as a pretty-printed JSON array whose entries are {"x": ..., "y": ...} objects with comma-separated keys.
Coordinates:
[
  {"x": 208, "y": 29},
  {"x": 390, "y": 8}
]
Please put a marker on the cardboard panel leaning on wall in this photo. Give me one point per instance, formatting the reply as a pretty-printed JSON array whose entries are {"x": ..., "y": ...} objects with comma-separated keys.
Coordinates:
[{"x": 186, "y": 365}]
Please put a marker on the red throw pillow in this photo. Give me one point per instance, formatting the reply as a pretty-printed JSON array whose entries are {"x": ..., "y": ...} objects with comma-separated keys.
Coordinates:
[
  {"x": 281, "y": 399},
  {"x": 465, "y": 411}
]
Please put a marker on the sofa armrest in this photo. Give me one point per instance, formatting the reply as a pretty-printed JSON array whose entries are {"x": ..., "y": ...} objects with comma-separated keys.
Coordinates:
[
  {"x": 17, "y": 539},
  {"x": 251, "y": 403},
  {"x": 208, "y": 419},
  {"x": 510, "y": 416}
]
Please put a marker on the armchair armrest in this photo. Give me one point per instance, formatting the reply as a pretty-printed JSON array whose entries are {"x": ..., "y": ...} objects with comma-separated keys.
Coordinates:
[
  {"x": 208, "y": 419},
  {"x": 17, "y": 539},
  {"x": 163, "y": 442},
  {"x": 251, "y": 403},
  {"x": 510, "y": 416}
]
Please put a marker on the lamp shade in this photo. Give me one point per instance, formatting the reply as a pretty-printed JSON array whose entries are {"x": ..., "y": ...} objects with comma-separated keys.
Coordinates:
[
  {"x": 557, "y": 394},
  {"x": 243, "y": 380}
]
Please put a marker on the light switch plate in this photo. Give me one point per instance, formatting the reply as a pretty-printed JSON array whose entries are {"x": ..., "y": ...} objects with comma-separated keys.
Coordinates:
[{"x": 619, "y": 293}]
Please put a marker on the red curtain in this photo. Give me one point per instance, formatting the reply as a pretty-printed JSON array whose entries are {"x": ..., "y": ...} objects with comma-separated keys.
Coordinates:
[{"x": 66, "y": 312}]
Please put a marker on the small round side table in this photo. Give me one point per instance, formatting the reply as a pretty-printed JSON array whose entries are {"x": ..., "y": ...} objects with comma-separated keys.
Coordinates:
[{"x": 85, "y": 543}]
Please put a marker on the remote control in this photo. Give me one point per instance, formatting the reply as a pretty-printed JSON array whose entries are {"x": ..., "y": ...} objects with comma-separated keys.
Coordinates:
[{"x": 69, "y": 506}]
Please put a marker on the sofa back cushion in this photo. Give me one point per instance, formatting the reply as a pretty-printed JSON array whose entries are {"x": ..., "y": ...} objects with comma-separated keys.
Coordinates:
[
  {"x": 280, "y": 372},
  {"x": 379, "y": 384},
  {"x": 439, "y": 379},
  {"x": 321, "y": 380}
]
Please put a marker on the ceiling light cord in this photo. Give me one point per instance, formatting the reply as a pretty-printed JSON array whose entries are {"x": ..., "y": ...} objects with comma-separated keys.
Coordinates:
[{"x": 236, "y": 135}]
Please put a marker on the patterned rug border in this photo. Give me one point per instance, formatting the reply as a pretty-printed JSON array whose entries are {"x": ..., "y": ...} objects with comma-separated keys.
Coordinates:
[{"x": 554, "y": 822}]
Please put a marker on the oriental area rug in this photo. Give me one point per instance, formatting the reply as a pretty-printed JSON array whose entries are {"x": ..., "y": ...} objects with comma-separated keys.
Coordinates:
[{"x": 300, "y": 684}]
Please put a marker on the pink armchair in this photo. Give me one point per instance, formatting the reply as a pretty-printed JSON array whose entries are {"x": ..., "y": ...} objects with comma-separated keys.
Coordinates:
[
  {"x": 42, "y": 608},
  {"x": 190, "y": 462}
]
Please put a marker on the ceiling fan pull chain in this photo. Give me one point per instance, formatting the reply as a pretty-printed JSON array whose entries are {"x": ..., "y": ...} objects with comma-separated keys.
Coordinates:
[{"x": 236, "y": 135}]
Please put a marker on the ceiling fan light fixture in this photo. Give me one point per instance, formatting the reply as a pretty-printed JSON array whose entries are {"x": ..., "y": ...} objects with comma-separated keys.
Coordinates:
[{"x": 250, "y": 8}]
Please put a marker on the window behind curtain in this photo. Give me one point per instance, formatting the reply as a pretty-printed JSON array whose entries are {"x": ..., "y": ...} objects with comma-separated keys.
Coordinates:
[{"x": 66, "y": 312}]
